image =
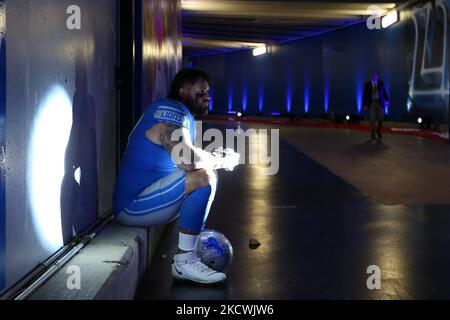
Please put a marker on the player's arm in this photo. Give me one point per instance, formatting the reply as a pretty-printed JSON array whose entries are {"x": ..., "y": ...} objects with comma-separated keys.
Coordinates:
[{"x": 175, "y": 138}]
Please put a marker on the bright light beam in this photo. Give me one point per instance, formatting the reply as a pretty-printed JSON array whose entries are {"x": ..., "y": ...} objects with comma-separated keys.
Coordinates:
[{"x": 50, "y": 135}]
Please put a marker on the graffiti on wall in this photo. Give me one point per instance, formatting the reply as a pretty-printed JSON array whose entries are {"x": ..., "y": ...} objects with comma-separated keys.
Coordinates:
[
  {"x": 429, "y": 80},
  {"x": 2, "y": 142},
  {"x": 161, "y": 47}
]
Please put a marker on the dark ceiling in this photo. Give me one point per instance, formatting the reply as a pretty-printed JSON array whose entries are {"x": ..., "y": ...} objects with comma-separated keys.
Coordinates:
[{"x": 219, "y": 26}]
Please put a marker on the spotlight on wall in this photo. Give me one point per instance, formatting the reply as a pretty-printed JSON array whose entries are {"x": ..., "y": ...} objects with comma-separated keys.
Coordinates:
[
  {"x": 389, "y": 19},
  {"x": 419, "y": 120},
  {"x": 347, "y": 117},
  {"x": 48, "y": 144},
  {"x": 259, "y": 50},
  {"x": 239, "y": 114}
]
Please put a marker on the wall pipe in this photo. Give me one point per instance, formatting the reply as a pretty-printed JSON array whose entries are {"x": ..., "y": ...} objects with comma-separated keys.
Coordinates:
[{"x": 52, "y": 267}]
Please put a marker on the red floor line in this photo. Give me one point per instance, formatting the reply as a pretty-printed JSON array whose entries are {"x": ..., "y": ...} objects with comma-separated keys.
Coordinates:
[{"x": 312, "y": 124}]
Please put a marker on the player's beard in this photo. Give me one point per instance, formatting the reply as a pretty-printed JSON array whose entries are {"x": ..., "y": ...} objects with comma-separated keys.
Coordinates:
[{"x": 197, "y": 107}]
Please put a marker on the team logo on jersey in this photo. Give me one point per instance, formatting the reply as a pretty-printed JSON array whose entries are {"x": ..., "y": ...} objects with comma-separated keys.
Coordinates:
[{"x": 171, "y": 116}]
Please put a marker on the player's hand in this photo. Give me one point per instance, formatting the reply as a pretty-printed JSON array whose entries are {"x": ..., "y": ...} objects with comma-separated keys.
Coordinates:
[
  {"x": 231, "y": 159},
  {"x": 227, "y": 158}
]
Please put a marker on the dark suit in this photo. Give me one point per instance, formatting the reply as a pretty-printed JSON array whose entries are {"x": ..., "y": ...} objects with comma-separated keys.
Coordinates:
[
  {"x": 374, "y": 101},
  {"x": 382, "y": 94}
]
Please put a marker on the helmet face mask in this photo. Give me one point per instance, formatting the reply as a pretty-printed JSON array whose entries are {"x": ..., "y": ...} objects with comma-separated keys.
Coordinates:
[{"x": 215, "y": 250}]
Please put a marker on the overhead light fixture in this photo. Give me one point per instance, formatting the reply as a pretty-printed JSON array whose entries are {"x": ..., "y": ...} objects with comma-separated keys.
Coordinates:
[
  {"x": 259, "y": 50},
  {"x": 389, "y": 19}
]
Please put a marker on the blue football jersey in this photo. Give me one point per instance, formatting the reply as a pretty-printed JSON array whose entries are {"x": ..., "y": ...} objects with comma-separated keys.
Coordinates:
[{"x": 144, "y": 161}]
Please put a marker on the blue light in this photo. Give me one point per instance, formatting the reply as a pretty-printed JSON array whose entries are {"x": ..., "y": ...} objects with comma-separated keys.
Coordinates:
[
  {"x": 326, "y": 96},
  {"x": 261, "y": 99},
  {"x": 359, "y": 95},
  {"x": 244, "y": 98},
  {"x": 408, "y": 104},
  {"x": 386, "y": 108},
  {"x": 288, "y": 97},
  {"x": 230, "y": 98},
  {"x": 275, "y": 114},
  {"x": 306, "y": 99},
  {"x": 211, "y": 100}
]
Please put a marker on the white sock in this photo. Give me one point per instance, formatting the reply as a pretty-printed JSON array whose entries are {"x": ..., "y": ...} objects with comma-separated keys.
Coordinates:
[{"x": 187, "y": 242}]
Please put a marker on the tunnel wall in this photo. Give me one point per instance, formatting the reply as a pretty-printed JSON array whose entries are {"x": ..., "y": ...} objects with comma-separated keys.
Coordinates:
[
  {"x": 59, "y": 166},
  {"x": 327, "y": 73}
]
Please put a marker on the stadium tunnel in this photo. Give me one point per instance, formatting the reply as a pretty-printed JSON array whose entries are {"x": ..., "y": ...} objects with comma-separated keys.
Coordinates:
[{"x": 76, "y": 76}]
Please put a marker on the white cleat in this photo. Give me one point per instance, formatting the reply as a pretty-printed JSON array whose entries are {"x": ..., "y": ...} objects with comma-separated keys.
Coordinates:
[{"x": 187, "y": 266}]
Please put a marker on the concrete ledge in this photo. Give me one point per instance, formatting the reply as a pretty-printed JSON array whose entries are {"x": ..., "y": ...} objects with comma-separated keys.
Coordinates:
[
  {"x": 135, "y": 238},
  {"x": 110, "y": 266}
]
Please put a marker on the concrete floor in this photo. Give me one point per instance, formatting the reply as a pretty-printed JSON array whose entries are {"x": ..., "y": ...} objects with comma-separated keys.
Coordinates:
[
  {"x": 337, "y": 206},
  {"x": 400, "y": 170}
]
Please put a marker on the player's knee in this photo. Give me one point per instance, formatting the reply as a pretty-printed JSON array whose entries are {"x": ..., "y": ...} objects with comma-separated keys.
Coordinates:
[{"x": 200, "y": 178}]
